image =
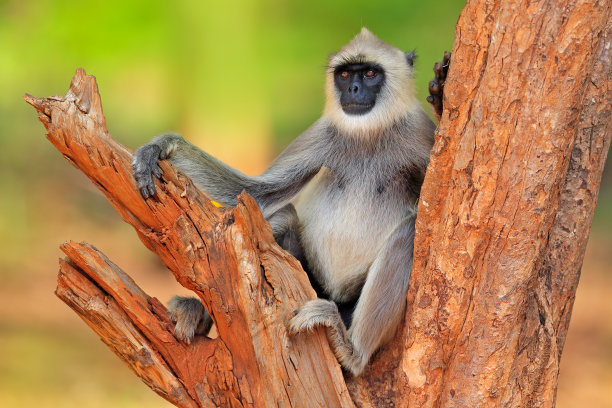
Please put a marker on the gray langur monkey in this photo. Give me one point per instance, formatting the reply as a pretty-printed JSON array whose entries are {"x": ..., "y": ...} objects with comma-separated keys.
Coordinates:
[{"x": 341, "y": 198}]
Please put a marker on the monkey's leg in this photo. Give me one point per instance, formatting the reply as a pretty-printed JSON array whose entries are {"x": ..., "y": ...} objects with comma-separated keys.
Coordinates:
[
  {"x": 379, "y": 309},
  {"x": 325, "y": 313},
  {"x": 190, "y": 316},
  {"x": 286, "y": 229},
  {"x": 436, "y": 86}
]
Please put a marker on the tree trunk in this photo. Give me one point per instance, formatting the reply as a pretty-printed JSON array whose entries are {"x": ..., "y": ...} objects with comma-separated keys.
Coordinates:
[
  {"x": 502, "y": 225},
  {"x": 505, "y": 209}
]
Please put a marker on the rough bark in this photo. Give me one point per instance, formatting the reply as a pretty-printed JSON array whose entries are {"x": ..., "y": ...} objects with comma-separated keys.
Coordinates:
[
  {"x": 503, "y": 220},
  {"x": 227, "y": 257},
  {"x": 502, "y": 225}
]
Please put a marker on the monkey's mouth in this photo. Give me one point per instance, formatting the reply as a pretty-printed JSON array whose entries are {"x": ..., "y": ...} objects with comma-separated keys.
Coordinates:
[{"x": 357, "y": 108}]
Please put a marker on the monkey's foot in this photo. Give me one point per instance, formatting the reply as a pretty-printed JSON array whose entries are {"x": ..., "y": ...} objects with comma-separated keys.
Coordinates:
[
  {"x": 320, "y": 312},
  {"x": 436, "y": 86},
  {"x": 314, "y": 313},
  {"x": 190, "y": 316}
]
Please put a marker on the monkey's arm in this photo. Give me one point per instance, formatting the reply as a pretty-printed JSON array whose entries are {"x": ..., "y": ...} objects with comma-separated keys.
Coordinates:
[
  {"x": 272, "y": 190},
  {"x": 379, "y": 310},
  {"x": 291, "y": 170},
  {"x": 202, "y": 168}
]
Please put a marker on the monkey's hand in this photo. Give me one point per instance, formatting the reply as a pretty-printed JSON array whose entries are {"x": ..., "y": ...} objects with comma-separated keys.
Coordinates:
[
  {"x": 190, "y": 316},
  {"x": 436, "y": 86},
  {"x": 144, "y": 164},
  {"x": 320, "y": 312}
]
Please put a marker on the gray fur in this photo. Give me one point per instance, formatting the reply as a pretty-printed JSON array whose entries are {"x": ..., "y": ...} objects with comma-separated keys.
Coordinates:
[
  {"x": 341, "y": 198},
  {"x": 285, "y": 225},
  {"x": 190, "y": 316},
  {"x": 272, "y": 190},
  {"x": 320, "y": 312}
]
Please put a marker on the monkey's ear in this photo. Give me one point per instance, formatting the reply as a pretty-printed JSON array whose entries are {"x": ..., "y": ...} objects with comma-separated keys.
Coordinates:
[{"x": 410, "y": 57}]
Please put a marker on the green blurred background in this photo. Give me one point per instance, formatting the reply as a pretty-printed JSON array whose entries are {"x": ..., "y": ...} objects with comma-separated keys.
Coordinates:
[{"x": 240, "y": 79}]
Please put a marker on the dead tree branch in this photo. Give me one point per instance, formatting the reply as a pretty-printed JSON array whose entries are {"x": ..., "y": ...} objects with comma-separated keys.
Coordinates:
[{"x": 227, "y": 257}]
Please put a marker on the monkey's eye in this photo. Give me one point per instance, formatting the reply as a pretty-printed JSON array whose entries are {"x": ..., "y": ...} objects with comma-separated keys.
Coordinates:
[
  {"x": 344, "y": 74},
  {"x": 370, "y": 74}
]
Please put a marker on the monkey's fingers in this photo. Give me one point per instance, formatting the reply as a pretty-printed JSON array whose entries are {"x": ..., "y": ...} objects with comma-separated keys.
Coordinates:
[
  {"x": 146, "y": 186},
  {"x": 151, "y": 190},
  {"x": 145, "y": 166},
  {"x": 157, "y": 171},
  {"x": 435, "y": 98},
  {"x": 439, "y": 70},
  {"x": 188, "y": 313},
  {"x": 436, "y": 86},
  {"x": 446, "y": 60}
]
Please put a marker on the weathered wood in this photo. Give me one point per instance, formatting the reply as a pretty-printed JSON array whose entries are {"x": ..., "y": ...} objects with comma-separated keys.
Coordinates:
[
  {"x": 135, "y": 326},
  {"x": 227, "y": 257}
]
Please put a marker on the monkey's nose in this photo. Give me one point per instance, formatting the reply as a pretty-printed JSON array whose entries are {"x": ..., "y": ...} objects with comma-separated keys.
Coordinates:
[{"x": 354, "y": 88}]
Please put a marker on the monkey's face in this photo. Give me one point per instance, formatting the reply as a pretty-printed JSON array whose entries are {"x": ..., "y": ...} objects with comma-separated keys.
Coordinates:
[
  {"x": 358, "y": 85},
  {"x": 369, "y": 86}
]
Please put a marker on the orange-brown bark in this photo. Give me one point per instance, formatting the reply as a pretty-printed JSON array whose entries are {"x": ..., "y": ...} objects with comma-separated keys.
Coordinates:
[
  {"x": 503, "y": 219},
  {"x": 502, "y": 225},
  {"x": 227, "y": 257}
]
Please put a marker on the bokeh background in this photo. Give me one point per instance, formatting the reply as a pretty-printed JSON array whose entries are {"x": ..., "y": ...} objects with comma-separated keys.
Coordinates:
[{"x": 239, "y": 78}]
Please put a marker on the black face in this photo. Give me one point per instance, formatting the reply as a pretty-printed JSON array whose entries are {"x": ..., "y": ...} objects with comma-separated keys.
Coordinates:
[{"x": 359, "y": 85}]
